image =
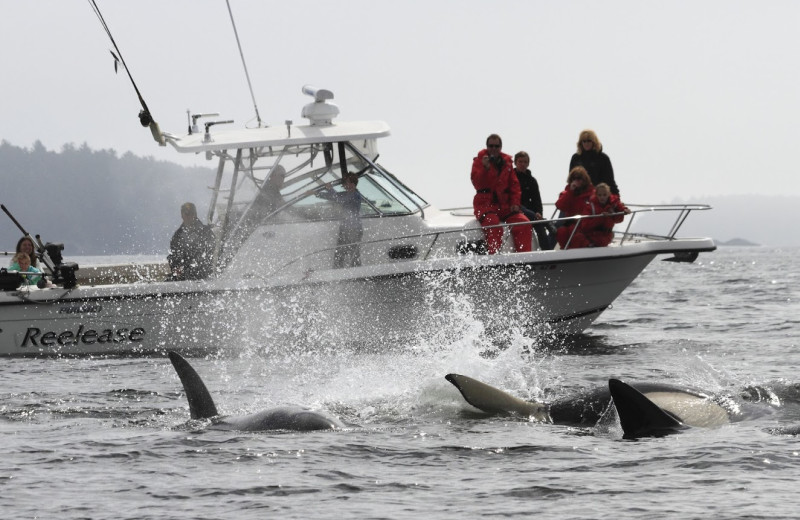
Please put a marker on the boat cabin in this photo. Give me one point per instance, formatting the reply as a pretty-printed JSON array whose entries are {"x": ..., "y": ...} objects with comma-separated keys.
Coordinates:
[{"x": 266, "y": 208}]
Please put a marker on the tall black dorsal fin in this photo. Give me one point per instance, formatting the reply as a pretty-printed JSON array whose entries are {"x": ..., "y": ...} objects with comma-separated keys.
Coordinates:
[
  {"x": 638, "y": 415},
  {"x": 201, "y": 405}
]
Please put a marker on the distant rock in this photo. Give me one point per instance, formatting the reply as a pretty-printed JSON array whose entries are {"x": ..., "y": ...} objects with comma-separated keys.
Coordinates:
[
  {"x": 735, "y": 242},
  {"x": 768, "y": 219}
]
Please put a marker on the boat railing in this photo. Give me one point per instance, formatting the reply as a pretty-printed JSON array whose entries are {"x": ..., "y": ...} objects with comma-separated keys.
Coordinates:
[{"x": 683, "y": 211}]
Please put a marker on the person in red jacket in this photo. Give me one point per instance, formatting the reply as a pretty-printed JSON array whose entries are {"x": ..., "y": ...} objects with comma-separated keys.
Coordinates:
[
  {"x": 598, "y": 231},
  {"x": 573, "y": 201},
  {"x": 497, "y": 197}
]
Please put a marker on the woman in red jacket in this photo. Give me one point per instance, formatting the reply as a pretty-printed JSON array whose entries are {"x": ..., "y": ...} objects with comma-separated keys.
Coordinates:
[
  {"x": 573, "y": 201},
  {"x": 497, "y": 197},
  {"x": 599, "y": 230}
]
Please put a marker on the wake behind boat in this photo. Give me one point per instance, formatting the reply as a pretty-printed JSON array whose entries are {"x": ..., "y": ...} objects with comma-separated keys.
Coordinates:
[{"x": 279, "y": 278}]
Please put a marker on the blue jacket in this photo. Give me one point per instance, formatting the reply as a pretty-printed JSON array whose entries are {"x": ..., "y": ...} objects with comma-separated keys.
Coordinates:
[{"x": 29, "y": 280}]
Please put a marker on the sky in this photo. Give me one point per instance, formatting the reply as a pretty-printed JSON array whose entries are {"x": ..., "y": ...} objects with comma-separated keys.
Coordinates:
[{"x": 690, "y": 99}]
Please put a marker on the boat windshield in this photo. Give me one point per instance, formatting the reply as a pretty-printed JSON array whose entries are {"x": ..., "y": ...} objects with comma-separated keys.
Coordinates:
[{"x": 271, "y": 185}]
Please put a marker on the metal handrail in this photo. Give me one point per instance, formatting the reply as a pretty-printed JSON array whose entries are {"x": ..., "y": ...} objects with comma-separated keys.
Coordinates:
[{"x": 683, "y": 209}]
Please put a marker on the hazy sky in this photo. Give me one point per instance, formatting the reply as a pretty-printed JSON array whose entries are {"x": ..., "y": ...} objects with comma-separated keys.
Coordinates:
[{"x": 690, "y": 98}]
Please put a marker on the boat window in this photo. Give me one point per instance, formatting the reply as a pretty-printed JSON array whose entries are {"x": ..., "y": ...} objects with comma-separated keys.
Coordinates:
[
  {"x": 399, "y": 192},
  {"x": 306, "y": 170},
  {"x": 389, "y": 182}
]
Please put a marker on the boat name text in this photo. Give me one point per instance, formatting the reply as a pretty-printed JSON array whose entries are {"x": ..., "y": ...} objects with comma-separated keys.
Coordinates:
[
  {"x": 34, "y": 337},
  {"x": 80, "y": 309}
]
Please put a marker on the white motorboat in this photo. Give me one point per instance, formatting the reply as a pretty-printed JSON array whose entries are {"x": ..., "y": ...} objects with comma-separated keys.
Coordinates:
[
  {"x": 276, "y": 282},
  {"x": 423, "y": 275}
]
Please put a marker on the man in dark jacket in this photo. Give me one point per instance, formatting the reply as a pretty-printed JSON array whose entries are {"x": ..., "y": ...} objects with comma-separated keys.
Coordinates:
[
  {"x": 191, "y": 250},
  {"x": 531, "y": 200}
]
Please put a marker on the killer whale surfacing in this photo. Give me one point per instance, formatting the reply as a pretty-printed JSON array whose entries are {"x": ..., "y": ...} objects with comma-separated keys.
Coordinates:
[
  {"x": 201, "y": 406},
  {"x": 644, "y": 410}
]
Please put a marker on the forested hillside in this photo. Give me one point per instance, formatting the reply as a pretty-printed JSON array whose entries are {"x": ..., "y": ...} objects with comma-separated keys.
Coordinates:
[{"x": 94, "y": 201}]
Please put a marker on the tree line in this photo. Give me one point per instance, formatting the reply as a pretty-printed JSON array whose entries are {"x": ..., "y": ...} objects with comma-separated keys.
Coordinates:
[{"x": 94, "y": 201}]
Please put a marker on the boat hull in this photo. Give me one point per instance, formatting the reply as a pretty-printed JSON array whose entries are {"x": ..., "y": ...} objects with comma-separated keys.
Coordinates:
[{"x": 376, "y": 307}]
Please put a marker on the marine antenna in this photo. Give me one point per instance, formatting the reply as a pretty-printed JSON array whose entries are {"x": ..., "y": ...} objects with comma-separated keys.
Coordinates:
[
  {"x": 247, "y": 74},
  {"x": 144, "y": 115}
]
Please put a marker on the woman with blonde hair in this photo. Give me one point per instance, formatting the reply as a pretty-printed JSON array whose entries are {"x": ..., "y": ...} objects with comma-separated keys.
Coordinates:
[
  {"x": 590, "y": 155},
  {"x": 22, "y": 263}
]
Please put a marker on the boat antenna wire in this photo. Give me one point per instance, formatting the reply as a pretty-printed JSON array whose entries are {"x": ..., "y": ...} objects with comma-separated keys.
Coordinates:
[
  {"x": 247, "y": 74},
  {"x": 144, "y": 115}
]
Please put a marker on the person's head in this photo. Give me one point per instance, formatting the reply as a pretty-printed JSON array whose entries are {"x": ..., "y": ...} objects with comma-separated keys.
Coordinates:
[
  {"x": 23, "y": 260},
  {"x": 578, "y": 179},
  {"x": 603, "y": 192},
  {"x": 188, "y": 212},
  {"x": 494, "y": 145},
  {"x": 588, "y": 141},
  {"x": 350, "y": 181},
  {"x": 25, "y": 245},
  {"x": 521, "y": 161},
  {"x": 277, "y": 176}
]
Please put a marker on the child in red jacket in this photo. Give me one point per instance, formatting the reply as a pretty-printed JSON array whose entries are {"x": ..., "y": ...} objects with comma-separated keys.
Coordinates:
[{"x": 599, "y": 230}]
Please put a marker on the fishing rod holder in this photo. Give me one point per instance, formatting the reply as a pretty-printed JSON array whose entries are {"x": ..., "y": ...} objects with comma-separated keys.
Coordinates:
[
  {"x": 193, "y": 128},
  {"x": 207, "y": 136}
]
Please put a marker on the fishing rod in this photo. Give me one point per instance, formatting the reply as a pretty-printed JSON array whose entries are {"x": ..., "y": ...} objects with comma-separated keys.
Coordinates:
[
  {"x": 145, "y": 118},
  {"x": 246, "y": 73}
]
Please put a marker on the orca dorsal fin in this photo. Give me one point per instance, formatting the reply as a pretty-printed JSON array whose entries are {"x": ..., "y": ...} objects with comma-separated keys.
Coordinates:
[
  {"x": 638, "y": 415},
  {"x": 201, "y": 405}
]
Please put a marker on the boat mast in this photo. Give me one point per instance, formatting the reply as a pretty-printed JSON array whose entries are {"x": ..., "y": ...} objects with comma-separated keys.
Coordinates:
[{"x": 247, "y": 74}]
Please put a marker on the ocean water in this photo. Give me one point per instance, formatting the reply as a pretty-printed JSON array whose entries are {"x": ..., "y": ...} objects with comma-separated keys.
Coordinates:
[{"x": 110, "y": 438}]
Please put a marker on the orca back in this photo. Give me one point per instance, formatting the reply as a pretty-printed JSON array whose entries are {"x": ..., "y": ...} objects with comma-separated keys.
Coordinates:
[{"x": 280, "y": 418}]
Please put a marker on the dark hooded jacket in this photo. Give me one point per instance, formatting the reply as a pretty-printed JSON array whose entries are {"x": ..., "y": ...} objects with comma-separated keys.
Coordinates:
[
  {"x": 531, "y": 197},
  {"x": 598, "y": 166}
]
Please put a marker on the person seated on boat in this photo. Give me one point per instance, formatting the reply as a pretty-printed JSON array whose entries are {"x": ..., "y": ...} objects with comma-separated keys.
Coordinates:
[
  {"x": 498, "y": 197},
  {"x": 531, "y": 200},
  {"x": 266, "y": 202},
  {"x": 269, "y": 197},
  {"x": 21, "y": 262},
  {"x": 191, "y": 250},
  {"x": 590, "y": 155},
  {"x": 573, "y": 201},
  {"x": 25, "y": 245},
  {"x": 598, "y": 231},
  {"x": 348, "y": 250}
]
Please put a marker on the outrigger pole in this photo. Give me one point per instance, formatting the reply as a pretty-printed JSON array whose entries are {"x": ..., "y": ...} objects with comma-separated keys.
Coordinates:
[
  {"x": 247, "y": 74},
  {"x": 144, "y": 115}
]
